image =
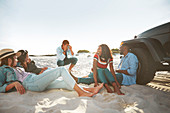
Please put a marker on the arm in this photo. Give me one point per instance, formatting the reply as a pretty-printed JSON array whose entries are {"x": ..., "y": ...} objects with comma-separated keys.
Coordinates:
[
  {"x": 132, "y": 66},
  {"x": 72, "y": 53},
  {"x": 123, "y": 71},
  {"x": 4, "y": 86},
  {"x": 95, "y": 72},
  {"x": 43, "y": 69},
  {"x": 113, "y": 73},
  {"x": 60, "y": 54},
  {"x": 17, "y": 85}
]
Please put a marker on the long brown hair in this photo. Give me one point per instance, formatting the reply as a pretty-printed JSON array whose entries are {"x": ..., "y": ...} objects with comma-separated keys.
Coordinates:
[
  {"x": 22, "y": 57},
  {"x": 4, "y": 61},
  {"x": 106, "y": 53}
]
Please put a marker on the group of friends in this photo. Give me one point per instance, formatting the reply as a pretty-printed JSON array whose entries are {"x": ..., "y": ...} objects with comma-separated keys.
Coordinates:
[{"x": 19, "y": 72}]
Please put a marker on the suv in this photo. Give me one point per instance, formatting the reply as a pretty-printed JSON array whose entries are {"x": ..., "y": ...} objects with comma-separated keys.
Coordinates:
[{"x": 152, "y": 49}]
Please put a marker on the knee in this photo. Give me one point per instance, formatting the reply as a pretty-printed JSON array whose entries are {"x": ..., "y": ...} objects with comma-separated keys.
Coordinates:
[
  {"x": 60, "y": 63},
  {"x": 113, "y": 83},
  {"x": 103, "y": 79},
  {"x": 62, "y": 68},
  {"x": 74, "y": 60}
]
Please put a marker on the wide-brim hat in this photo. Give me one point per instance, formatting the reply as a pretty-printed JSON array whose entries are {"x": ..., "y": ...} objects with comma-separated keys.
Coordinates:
[{"x": 6, "y": 52}]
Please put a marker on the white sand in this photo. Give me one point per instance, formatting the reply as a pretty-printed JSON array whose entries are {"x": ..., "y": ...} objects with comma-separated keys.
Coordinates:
[{"x": 137, "y": 98}]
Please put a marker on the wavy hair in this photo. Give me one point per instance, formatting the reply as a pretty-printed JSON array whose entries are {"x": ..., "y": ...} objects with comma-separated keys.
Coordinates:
[
  {"x": 106, "y": 53},
  {"x": 22, "y": 57}
]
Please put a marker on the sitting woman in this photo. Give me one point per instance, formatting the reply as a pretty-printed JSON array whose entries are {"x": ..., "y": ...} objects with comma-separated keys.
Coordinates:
[
  {"x": 15, "y": 77},
  {"x": 28, "y": 64},
  {"x": 101, "y": 73}
]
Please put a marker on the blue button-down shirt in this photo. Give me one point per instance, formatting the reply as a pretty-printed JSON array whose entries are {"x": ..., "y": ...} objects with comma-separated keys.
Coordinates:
[
  {"x": 7, "y": 76},
  {"x": 129, "y": 63}
]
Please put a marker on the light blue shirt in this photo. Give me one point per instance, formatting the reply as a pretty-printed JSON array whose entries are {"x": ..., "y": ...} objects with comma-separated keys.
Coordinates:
[
  {"x": 60, "y": 55},
  {"x": 129, "y": 63}
]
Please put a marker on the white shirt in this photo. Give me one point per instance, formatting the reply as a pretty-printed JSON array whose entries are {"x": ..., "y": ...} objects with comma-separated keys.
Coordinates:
[{"x": 60, "y": 55}]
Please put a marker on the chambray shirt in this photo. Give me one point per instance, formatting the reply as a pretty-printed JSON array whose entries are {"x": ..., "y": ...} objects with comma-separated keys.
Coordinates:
[
  {"x": 60, "y": 55},
  {"x": 7, "y": 76},
  {"x": 129, "y": 63}
]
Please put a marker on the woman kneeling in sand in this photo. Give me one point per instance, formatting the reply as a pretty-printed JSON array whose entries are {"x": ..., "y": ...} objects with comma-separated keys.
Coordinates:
[{"x": 12, "y": 77}]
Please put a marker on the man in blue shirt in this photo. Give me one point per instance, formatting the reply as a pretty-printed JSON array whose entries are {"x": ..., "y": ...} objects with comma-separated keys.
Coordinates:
[
  {"x": 62, "y": 55},
  {"x": 126, "y": 73},
  {"x": 128, "y": 66}
]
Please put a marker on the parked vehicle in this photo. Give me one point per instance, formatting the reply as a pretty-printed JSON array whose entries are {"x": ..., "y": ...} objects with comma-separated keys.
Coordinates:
[{"x": 152, "y": 49}]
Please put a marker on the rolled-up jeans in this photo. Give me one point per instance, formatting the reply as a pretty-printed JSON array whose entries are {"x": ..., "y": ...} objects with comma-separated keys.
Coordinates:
[
  {"x": 102, "y": 74},
  {"x": 72, "y": 60},
  {"x": 49, "y": 80}
]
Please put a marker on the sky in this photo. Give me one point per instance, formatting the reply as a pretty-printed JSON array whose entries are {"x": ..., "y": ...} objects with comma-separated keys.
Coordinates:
[{"x": 40, "y": 26}]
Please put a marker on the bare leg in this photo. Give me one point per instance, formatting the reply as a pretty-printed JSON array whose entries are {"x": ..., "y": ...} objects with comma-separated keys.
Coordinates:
[
  {"x": 85, "y": 76},
  {"x": 117, "y": 89},
  {"x": 71, "y": 66},
  {"x": 109, "y": 90},
  {"x": 75, "y": 78},
  {"x": 81, "y": 92},
  {"x": 94, "y": 89}
]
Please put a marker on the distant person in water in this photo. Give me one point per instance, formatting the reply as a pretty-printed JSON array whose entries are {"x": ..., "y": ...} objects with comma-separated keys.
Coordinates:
[
  {"x": 126, "y": 72},
  {"x": 62, "y": 55},
  {"x": 16, "y": 77},
  {"x": 28, "y": 64}
]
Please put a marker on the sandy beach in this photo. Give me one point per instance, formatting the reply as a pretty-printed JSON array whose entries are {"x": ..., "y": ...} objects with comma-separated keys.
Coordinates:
[{"x": 151, "y": 98}]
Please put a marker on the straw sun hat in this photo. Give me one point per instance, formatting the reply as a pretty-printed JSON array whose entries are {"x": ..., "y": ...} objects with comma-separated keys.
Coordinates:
[{"x": 6, "y": 52}]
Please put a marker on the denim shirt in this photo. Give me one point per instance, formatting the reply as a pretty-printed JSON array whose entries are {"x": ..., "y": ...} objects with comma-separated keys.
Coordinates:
[
  {"x": 129, "y": 63},
  {"x": 7, "y": 76},
  {"x": 60, "y": 55}
]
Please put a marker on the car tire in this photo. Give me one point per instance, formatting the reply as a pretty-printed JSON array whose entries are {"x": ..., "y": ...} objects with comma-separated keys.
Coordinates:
[{"x": 146, "y": 70}]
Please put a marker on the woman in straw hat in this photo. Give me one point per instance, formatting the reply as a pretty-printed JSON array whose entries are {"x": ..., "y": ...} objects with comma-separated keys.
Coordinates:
[{"x": 15, "y": 77}]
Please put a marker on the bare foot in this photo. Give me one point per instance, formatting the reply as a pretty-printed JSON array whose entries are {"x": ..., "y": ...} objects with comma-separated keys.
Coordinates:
[
  {"x": 86, "y": 94},
  {"x": 118, "y": 90},
  {"x": 120, "y": 93},
  {"x": 109, "y": 90},
  {"x": 98, "y": 88}
]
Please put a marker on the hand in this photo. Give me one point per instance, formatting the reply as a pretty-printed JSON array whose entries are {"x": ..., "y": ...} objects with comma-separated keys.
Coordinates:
[
  {"x": 29, "y": 60},
  {"x": 45, "y": 68},
  {"x": 65, "y": 47},
  {"x": 70, "y": 47},
  {"x": 119, "y": 71},
  {"x": 19, "y": 88},
  {"x": 92, "y": 69}
]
